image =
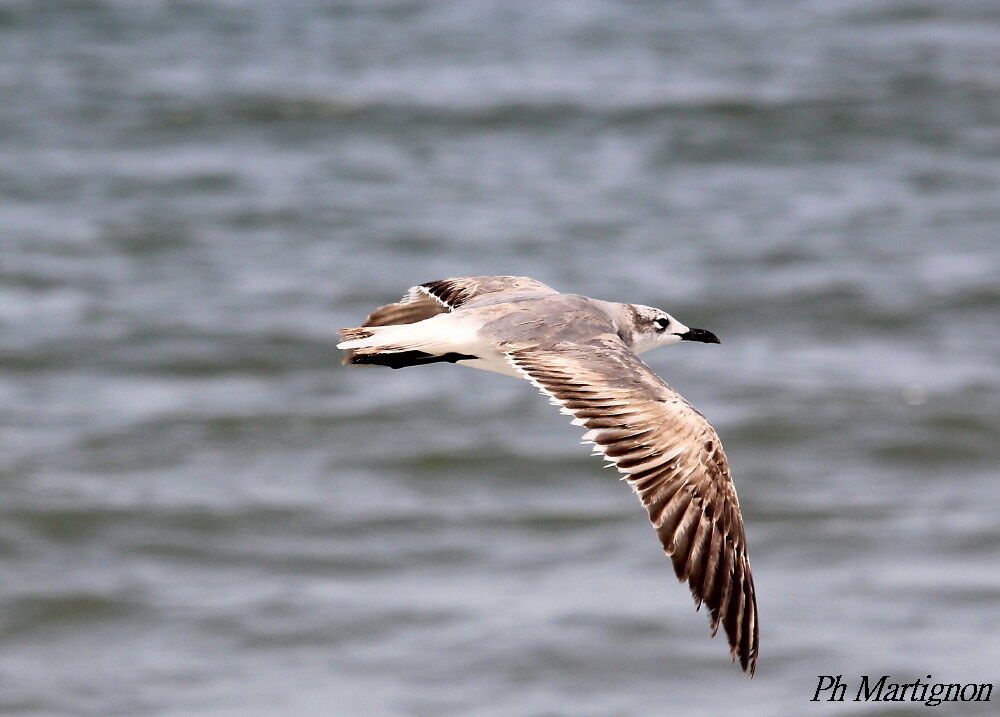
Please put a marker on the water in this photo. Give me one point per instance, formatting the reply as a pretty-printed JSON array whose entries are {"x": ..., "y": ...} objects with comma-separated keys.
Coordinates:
[{"x": 201, "y": 512}]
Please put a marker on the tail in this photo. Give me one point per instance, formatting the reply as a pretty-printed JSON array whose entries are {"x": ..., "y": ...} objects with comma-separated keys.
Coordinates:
[
  {"x": 353, "y": 336},
  {"x": 395, "y": 346}
]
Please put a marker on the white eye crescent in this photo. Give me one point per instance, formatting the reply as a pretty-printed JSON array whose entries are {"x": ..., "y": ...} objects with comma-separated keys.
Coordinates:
[{"x": 662, "y": 323}]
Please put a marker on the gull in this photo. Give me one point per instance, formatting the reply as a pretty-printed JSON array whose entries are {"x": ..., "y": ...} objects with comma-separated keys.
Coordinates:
[{"x": 582, "y": 354}]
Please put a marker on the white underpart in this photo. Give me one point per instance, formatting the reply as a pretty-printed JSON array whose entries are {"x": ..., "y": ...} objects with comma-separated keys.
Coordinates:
[
  {"x": 497, "y": 363},
  {"x": 441, "y": 334}
]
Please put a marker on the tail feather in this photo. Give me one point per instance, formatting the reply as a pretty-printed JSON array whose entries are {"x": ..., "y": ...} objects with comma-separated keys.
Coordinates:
[
  {"x": 366, "y": 337},
  {"x": 353, "y": 340},
  {"x": 439, "y": 338},
  {"x": 358, "y": 334},
  {"x": 395, "y": 346}
]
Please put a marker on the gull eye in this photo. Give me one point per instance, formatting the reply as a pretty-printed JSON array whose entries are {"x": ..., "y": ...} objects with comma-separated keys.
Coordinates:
[{"x": 662, "y": 323}]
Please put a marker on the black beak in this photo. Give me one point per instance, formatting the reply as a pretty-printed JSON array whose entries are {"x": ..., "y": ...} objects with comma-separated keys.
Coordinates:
[{"x": 706, "y": 337}]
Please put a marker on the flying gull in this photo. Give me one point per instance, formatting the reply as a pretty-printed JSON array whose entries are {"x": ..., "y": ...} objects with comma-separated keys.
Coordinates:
[{"x": 581, "y": 352}]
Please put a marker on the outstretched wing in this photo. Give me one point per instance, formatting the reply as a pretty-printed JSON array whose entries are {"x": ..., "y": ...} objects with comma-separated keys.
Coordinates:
[
  {"x": 455, "y": 293},
  {"x": 416, "y": 306},
  {"x": 671, "y": 457}
]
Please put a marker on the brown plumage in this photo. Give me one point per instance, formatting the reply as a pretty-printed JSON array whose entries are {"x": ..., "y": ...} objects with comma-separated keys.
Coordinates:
[{"x": 671, "y": 457}]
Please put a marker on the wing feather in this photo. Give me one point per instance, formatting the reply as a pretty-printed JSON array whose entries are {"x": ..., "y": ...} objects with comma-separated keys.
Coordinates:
[
  {"x": 672, "y": 458},
  {"x": 455, "y": 293}
]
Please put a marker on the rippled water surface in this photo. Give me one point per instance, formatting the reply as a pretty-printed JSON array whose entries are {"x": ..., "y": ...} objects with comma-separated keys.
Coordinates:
[{"x": 202, "y": 512}]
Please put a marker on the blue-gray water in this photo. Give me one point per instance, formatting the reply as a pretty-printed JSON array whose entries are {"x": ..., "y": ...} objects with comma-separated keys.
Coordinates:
[{"x": 201, "y": 512}]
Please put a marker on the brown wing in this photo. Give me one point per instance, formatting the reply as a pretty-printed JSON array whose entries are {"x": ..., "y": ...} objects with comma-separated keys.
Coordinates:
[
  {"x": 671, "y": 457},
  {"x": 455, "y": 293},
  {"x": 415, "y": 306}
]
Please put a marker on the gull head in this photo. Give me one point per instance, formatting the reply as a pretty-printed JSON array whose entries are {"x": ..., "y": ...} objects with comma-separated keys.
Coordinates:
[{"x": 655, "y": 327}]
